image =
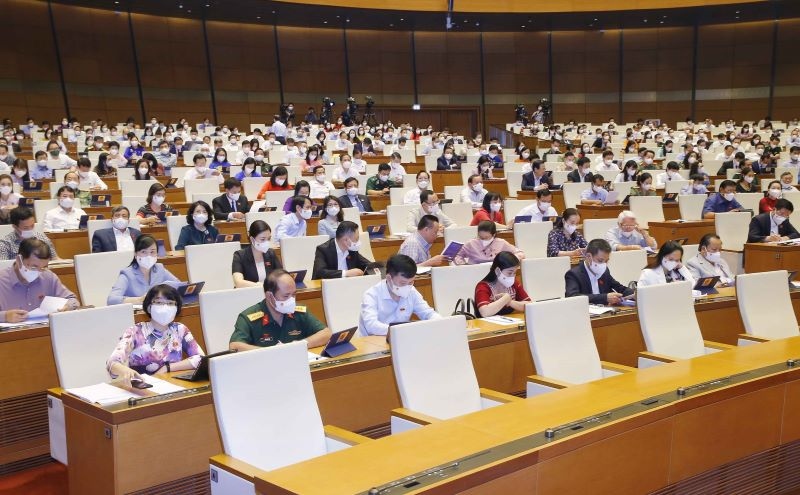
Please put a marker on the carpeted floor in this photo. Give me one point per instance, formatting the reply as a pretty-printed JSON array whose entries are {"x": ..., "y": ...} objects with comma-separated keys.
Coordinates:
[{"x": 49, "y": 479}]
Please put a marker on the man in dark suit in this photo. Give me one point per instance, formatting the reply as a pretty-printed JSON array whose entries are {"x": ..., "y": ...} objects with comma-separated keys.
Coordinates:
[
  {"x": 339, "y": 257},
  {"x": 233, "y": 204},
  {"x": 592, "y": 278},
  {"x": 537, "y": 178},
  {"x": 773, "y": 226},
  {"x": 737, "y": 162},
  {"x": 581, "y": 172},
  {"x": 352, "y": 199},
  {"x": 177, "y": 148},
  {"x": 105, "y": 240}
]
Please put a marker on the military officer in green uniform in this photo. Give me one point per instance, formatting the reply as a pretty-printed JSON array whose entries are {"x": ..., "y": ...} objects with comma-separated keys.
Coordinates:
[{"x": 277, "y": 319}]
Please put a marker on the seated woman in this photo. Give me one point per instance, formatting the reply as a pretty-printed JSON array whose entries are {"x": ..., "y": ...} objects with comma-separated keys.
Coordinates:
[
  {"x": 490, "y": 210},
  {"x": 765, "y": 205},
  {"x": 668, "y": 267},
  {"x": 199, "y": 229},
  {"x": 485, "y": 247},
  {"x": 220, "y": 159},
  {"x": 103, "y": 168},
  {"x": 423, "y": 183},
  {"x": 143, "y": 170},
  {"x": 143, "y": 273},
  {"x": 8, "y": 198},
  {"x": 156, "y": 195},
  {"x": 252, "y": 265},
  {"x": 746, "y": 183},
  {"x": 302, "y": 188},
  {"x": 278, "y": 181},
  {"x": 644, "y": 185},
  {"x": 564, "y": 239},
  {"x": 156, "y": 346},
  {"x": 248, "y": 169},
  {"x": 330, "y": 217},
  {"x": 629, "y": 173},
  {"x": 499, "y": 292}
]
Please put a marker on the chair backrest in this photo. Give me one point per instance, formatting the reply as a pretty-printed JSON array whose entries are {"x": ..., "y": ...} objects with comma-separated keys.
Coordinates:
[
  {"x": 668, "y": 320},
  {"x": 42, "y": 206},
  {"x": 572, "y": 193},
  {"x": 459, "y": 213},
  {"x": 205, "y": 196},
  {"x": 750, "y": 200},
  {"x": 252, "y": 185},
  {"x": 277, "y": 198},
  {"x": 397, "y": 216},
  {"x": 691, "y": 206},
  {"x": 765, "y": 305},
  {"x": 453, "y": 192},
  {"x": 514, "y": 182},
  {"x": 174, "y": 226},
  {"x": 451, "y": 283},
  {"x": 341, "y": 300},
  {"x": 211, "y": 263},
  {"x": 84, "y": 339},
  {"x": 194, "y": 186},
  {"x": 690, "y": 251},
  {"x": 543, "y": 278},
  {"x": 647, "y": 209},
  {"x": 366, "y": 246},
  {"x": 218, "y": 312},
  {"x": 397, "y": 194},
  {"x": 561, "y": 340},
  {"x": 135, "y": 187},
  {"x": 297, "y": 253},
  {"x": 271, "y": 217},
  {"x": 432, "y": 382},
  {"x": 626, "y": 266},
  {"x": 675, "y": 186},
  {"x": 352, "y": 215},
  {"x": 596, "y": 228},
  {"x": 512, "y": 207},
  {"x": 290, "y": 427},
  {"x": 460, "y": 234},
  {"x": 531, "y": 238},
  {"x": 732, "y": 228},
  {"x": 794, "y": 197},
  {"x": 96, "y": 274}
]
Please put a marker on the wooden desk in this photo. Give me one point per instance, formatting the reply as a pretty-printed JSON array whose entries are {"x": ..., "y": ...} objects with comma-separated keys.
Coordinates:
[
  {"x": 767, "y": 257},
  {"x": 442, "y": 178},
  {"x": 73, "y": 242},
  {"x": 671, "y": 211},
  {"x": 692, "y": 231},
  {"x": 558, "y": 198}
]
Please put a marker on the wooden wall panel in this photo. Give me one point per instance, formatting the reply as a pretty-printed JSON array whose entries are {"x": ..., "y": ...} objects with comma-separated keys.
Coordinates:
[
  {"x": 312, "y": 61},
  {"x": 448, "y": 65},
  {"x": 381, "y": 66}
]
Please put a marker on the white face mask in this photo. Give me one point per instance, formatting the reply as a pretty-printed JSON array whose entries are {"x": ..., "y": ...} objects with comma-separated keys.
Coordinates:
[
  {"x": 248, "y": 170},
  {"x": 27, "y": 234},
  {"x": 401, "y": 292},
  {"x": 625, "y": 233},
  {"x": 608, "y": 161},
  {"x": 320, "y": 179},
  {"x": 570, "y": 228},
  {"x": 235, "y": 197},
  {"x": 383, "y": 178},
  {"x": 259, "y": 158},
  {"x": 778, "y": 219},
  {"x": 478, "y": 187},
  {"x": 729, "y": 196},
  {"x": 544, "y": 206},
  {"x": 280, "y": 182},
  {"x": 714, "y": 257},
  {"x": 775, "y": 193},
  {"x": 120, "y": 223},
  {"x": 433, "y": 210},
  {"x": 748, "y": 179},
  {"x": 306, "y": 214},
  {"x": 495, "y": 207},
  {"x": 332, "y": 211},
  {"x": 486, "y": 242},
  {"x": 354, "y": 246},
  {"x": 449, "y": 156},
  {"x": 598, "y": 268},
  {"x": 146, "y": 262},
  {"x": 648, "y": 161},
  {"x": 423, "y": 184},
  {"x": 21, "y": 173},
  {"x": 285, "y": 307},
  {"x": 352, "y": 191},
  {"x": 346, "y": 165},
  {"x": 28, "y": 274},
  {"x": 4, "y": 190},
  {"x": 200, "y": 218},
  {"x": 669, "y": 265},
  {"x": 261, "y": 246},
  {"x": 143, "y": 171},
  {"x": 158, "y": 200},
  {"x": 505, "y": 280},
  {"x": 201, "y": 170},
  {"x": 72, "y": 184},
  {"x": 163, "y": 314},
  {"x": 66, "y": 203}
]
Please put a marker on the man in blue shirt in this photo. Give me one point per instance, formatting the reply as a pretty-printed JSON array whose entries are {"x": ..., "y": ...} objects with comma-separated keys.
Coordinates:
[
  {"x": 597, "y": 194},
  {"x": 722, "y": 202}
]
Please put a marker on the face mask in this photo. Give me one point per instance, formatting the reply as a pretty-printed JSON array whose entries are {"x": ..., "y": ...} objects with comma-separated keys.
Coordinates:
[
  {"x": 383, "y": 178},
  {"x": 449, "y": 156},
  {"x": 201, "y": 170},
  {"x": 543, "y": 206},
  {"x": 748, "y": 179},
  {"x": 66, "y": 203},
  {"x": 598, "y": 268},
  {"x": 608, "y": 162},
  {"x": 423, "y": 184},
  {"x": 669, "y": 264},
  {"x": 262, "y": 247},
  {"x": 795, "y": 158},
  {"x": 433, "y": 210},
  {"x": 495, "y": 207},
  {"x": 597, "y": 189},
  {"x": 332, "y": 210},
  {"x": 235, "y": 197},
  {"x": 774, "y": 193},
  {"x": 626, "y": 234},
  {"x": 569, "y": 228},
  {"x": 27, "y": 234},
  {"x": 120, "y": 223},
  {"x": 778, "y": 219},
  {"x": 320, "y": 179},
  {"x": 134, "y": 143},
  {"x": 248, "y": 170},
  {"x": 354, "y": 246},
  {"x": 285, "y": 307},
  {"x": 163, "y": 314},
  {"x": 648, "y": 161},
  {"x": 146, "y": 262},
  {"x": 346, "y": 165},
  {"x": 486, "y": 242},
  {"x": 220, "y": 158},
  {"x": 306, "y": 214},
  {"x": 714, "y": 257},
  {"x": 312, "y": 156},
  {"x": 259, "y": 158},
  {"x": 4, "y": 190},
  {"x": 505, "y": 280},
  {"x": 691, "y": 160},
  {"x": 200, "y": 218},
  {"x": 401, "y": 292},
  {"x": 352, "y": 191},
  {"x": 759, "y": 152},
  {"x": 478, "y": 187},
  {"x": 729, "y": 196},
  {"x": 21, "y": 173},
  {"x": 28, "y": 274},
  {"x": 158, "y": 200}
]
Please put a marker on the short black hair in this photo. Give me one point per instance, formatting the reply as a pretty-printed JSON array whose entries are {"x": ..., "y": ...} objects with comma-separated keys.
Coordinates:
[
  {"x": 34, "y": 247},
  {"x": 383, "y": 167},
  {"x": 427, "y": 221},
  {"x": 542, "y": 193},
  {"x": 190, "y": 213},
  {"x": 197, "y": 157},
  {"x": 666, "y": 249},
  {"x": 19, "y": 214},
  {"x": 231, "y": 182},
  {"x": 65, "y": 188},
  {"x": 582, "y": 161},
  {"x": 673, "y": 166},
  {"x": 257, "y": 227},
  {"x": 706, "y": 240},
  {"x": 597, "y": 245},
  {"x": 168, "y": 292},
  {"x": 536, "y": 164},
  {"x": 487, "y": 226},
  {"x": 298, "y": 201},
  {"x": 424, "y": 195},
  {"x": 271, "y": 282},
  {"x": 350, "y": 180},
  {"x": 400, "y": 264},
  {"x": 726, "y": 183},
  {"x": 784, "y": 203},
  {"x": 346, "y": 228}
]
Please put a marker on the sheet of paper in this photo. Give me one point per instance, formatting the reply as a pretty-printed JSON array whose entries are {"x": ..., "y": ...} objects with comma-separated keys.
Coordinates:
[
  {"x": 503, "y": 320},
  {"x": 43, "y": 320},
  {"x": 315, "y": 357},
  {"x": 599, "y": 310},
  {"x": 49, "y": 305},
  {"x": 422, "y": 270},
  {"x": 258, "y": 204},
  {"x": 102, "y": 393},
  {"x": 161, "y": 386}
]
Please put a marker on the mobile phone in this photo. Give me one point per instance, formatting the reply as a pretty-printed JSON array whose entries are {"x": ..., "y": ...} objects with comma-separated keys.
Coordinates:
[{"x": 140, "y": 384}]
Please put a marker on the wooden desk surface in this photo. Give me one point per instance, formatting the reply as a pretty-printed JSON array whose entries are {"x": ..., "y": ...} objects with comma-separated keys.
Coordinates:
[
  {"x": 693, "y": 231},
  {"x": 770, "y": 256}
]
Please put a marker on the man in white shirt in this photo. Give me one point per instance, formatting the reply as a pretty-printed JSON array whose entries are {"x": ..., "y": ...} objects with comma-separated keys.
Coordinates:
[
  {"x": 65, "y": 215},
  {"x": 541, "y": 208},
  {"x": 429, "y": 205},
  {"x": 164, "y": 157},
  {"x": 393, "y": 300},
  {"x": 670, "y": 175},
  {"x": 293, "y": 224},
  {"x": 794, "y": 158},
  {"x": 279, "y": 129},
  {"x": 320, "y": 186},
  {"x": 201, "y": 170},
  {"x": 397, "y": 170},
  {"x": 54, "y": 153},
  {"x": 607, "y": 164},
  {"x": 87, "y": 177},
  {"x": 473, "y": 192}
]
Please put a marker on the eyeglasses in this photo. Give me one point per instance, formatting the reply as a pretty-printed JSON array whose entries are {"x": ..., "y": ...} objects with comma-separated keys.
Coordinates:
[{"x": 165, "y": 302}]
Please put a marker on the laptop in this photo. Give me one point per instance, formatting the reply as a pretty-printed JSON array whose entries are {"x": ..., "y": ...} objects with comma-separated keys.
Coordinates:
[
  {"x": 26, "y": 202},
  {"x": 201, "y": 372},
  {"x": 299, "y": 276},
  {"x": 339, "y": 343},
  {"x": 611, "y": 198},
  {"x": 523, "y": 219},
  {"x": 670, "y": 198},
  {"x": 229, "y": 238},
  {"x": 626, "y": 200},
  {"x": 446, "y": 201},
  {"x": 32, "y": 186},
  {"x": 84, "y": 221},
  {"x": 377, "y": 231},
  {"x": 268, "y": 208},
  {"x": 100, "y": 200},
  {"x": 162, "y": 215},
  {"x": 190, "y": 292},
  {"x": 706, "y": 285}
]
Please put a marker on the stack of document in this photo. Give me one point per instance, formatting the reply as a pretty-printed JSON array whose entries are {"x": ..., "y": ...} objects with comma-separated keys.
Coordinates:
[
  {"x": 503, "y": 320},
  {"x": 596, "y": 310},
  {"x": 49, "y": 305},
  {"x": 106, "y": 393}
]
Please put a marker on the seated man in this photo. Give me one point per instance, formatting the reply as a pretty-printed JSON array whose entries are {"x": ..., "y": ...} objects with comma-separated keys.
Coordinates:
[
  {"x": 23, "y": 222},
  {"x": 393, "y": 300},
  {"x": 708, "y": 261},
  {"x": 118, "y": 237},
  {"x": 351, "y": 198},
  {"x": 628, "y": 236},
  {"x": 339, "y": 257},
  {"x": 722, "y": 202},
  {"x": 24, "y": 284},
  {"x": 696, "y": 186},
  {"x": 537, "y": 178},
  {"x": 294, "y": 223},
  {"x": 773, "y": 226},
  {"x": 597, "y": 194},
  {"x": 540, "y": 209},
  {"x": 473, "y": 192},
  {"x": 735, "y": 163},
  {"x": 672, "y": 173},
  {"x": 201, "y": 170},
  {"x": 582, "y": 172},
  {"x": 379, "y": 184},
  {"x": 592, "y": 278},
  {"x": 232, "y": 205},
  {"x": 429, "y": 205},
  {"x": 66, "y": 215},
  {"x": 276, "y": 319},
  {"x": 417, "y": 246}
]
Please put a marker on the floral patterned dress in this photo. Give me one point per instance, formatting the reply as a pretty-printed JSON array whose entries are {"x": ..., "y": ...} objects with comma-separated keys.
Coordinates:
[{"x": 145, "y": 349}]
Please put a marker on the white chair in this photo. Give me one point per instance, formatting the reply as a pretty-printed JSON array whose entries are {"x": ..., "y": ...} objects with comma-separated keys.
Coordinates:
[
  {"x": 691, "y": 206},
  {"x": 252, "y": 185},
  {"x": 460, "y": 234},
  {"x": 690, "y": 251},
  {"x": 297, "y": 253},
  {"x": 531, "y": 238},
  {"x": 42, "y": 206},
  {"x": 647, "y": 209},
  {"x": 352, "y": 214},
  {"x": 211, "y": 263},
  {"x": 135, "y": 187},
  {"x": 514, "y": 182},
  {"x": 195, "y": 186},
  {"x": 512, "y": 207},
  {"x": 572, "y": 193},
  {"x": 277, "y": 199},
  {"x": 271, "y": 217},
  {"x": 732, "y": 228},
  {"x": 562, "y": 345},
  {"x": 675, "y": 186},
  {"x": 341, "y": 300},
  {"x": 290, "y": 426},
  {"x": 436, "y": 385},
  {"x": 451, "y": 283},
  {"x": 133, "y": 203},
  {"x": 397, "y": 194},
  {"x": 366, "y": 246},
  {"x": 750, "y": 200},
  {"x": 459, "y": 213},
  {"x": 207, "y": 197},
  {"x": 219, "y": 310},
  {"x": 596, "y": 228},
  {"x": 82, "y": 341},
  {"x": 174, "y": 225},
  {"x": 96, "y": 274},
  {"x": 543, "y": 278},
  {"x": 765, "y": 306},
  {"x": 626, "y": 266},
  {"x": 453, "y": 192},
  {"x": 669, "y": 324},
  {"x": 397, "y": 216}
]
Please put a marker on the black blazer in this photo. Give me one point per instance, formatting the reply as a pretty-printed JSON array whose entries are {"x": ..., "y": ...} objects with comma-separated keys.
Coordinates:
[
  {"x": 723, "y": 170},
  {"x": 578, "y": 284},
  {"x": 575, "y": 177},
  {"x": 326, "y": 261},
  {"x": 346, "y": 203},
  {"x": 759, "y": 228},
  {"x": 104, "y": 240},
  {"x": 244, "y": 263},
  {"x": 529, "y": 183},
  {"x": 443, "y": 164},
  {"x": 222, "y": 206}
]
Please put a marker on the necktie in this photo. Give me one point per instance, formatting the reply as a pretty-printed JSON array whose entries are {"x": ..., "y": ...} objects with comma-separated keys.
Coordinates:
[{"x": 233, "y": 205}]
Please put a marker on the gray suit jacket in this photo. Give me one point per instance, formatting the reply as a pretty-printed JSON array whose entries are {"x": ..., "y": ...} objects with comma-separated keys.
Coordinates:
[{"x": 700, "y": 267}]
